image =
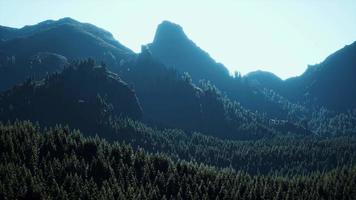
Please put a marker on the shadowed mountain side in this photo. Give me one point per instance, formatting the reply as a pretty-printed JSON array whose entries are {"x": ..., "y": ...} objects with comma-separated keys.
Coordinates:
[
  {"x": 329, "y": 84},
  {"x": 172, "y": 47},
  {"x": 82, "y": 96},
  {"x": 35, "y": 67},
  {"x": 176, "y": 50},
  {"x": 65, "y": 38},
  {"x": 263, "y": 79},
  {"x": 170, "y": 99}
]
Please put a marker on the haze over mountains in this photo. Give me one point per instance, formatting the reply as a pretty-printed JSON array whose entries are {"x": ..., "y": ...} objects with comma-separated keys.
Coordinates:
[
  {"x": 174, "y": 49},
  {"x": 173, "y": 99}
]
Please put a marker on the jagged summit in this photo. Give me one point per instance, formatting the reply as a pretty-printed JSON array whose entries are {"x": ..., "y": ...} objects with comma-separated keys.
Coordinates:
[
  {"x": 173, "y": 47},
  {"x": 168, "y": 31}
]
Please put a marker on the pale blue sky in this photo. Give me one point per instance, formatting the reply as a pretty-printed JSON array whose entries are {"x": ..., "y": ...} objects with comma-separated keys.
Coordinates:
[{"x": 281, "y": 36}]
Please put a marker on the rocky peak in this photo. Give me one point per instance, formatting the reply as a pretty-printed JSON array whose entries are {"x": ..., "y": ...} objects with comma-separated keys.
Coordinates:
[{"x": 168, "y": 31}]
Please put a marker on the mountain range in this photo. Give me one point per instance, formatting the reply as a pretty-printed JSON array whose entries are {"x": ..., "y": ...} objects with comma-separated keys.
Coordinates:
[
  {"x": 58, "y": 42},
  {"x": 84, "y": 117},
  {"x": 172, "y": 77}
]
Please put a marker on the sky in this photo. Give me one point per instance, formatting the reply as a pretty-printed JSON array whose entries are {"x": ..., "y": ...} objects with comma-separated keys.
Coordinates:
[{"x": 280, "y": 36}]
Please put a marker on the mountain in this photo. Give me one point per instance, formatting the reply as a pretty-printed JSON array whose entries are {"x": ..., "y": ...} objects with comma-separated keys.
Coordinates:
[
  {"x": 262, "y": 79},
  {"x": 36, "y": 67},
  {"x": 329, "y": 84},
  {"x": 168, "y": 100},
  {"x": 8, "y": 33},
  {"x": 171, "y": 99},
  {"x": 83, "y": 95},
  {"x": 172, "y": 47},
  {"x": 175, "y": 49},
  {"x": 65, "y": 37},
  {"x": 68, "y": 38}
]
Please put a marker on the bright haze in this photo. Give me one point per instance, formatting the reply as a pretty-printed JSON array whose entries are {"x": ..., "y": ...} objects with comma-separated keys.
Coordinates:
[{"x": 282, "y": 37}]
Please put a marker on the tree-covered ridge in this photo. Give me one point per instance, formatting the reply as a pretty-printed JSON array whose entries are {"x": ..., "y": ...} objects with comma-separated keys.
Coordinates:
[
  {"x": 83, "y": 95},
  {"x": 171, "y": 99},
  {"x": 319, "y": 120},
  {"x": 283, "y": 155},
  {"x": 172, "y": 47},
  {"x": 14, "y": 72},
  {"x": 62, "y": 164}
]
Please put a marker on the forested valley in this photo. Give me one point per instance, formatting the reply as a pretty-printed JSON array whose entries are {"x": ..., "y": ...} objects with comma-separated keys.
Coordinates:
[{"x": 94, "y": 120}]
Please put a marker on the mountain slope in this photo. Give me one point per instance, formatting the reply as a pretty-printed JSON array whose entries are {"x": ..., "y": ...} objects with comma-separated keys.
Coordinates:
[
  {"x": 329, "y": 84},
  {"x": 65, "y": 37},
  {"x": 35, "y": 67},
  {"x": 82, "y": 96},
  {"x": 176, "y": 50},
  {"x": 262, "y": 79},
  {"x": 8, "y": 33},
  {"x": 172, "y": 47},
  {"x": 170, "y": 99},
  {"x": 67, "y": 40}
]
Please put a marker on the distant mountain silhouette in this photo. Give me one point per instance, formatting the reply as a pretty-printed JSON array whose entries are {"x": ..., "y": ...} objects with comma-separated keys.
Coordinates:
[
  {"x": 8, "y": 33},
  {"x": 175, "y": 49},
  {"x": 167, "y": 77},
  {"x": 330, "y": 83},
  {"x": 172, "y": 47},
  {"x": 263, "y": 79},
  {"x": 170, "y": 99},
  {"x": 65, "y": 37},
  {"x": 83, "y": 96},
  {"x": 68, "y": 38}
]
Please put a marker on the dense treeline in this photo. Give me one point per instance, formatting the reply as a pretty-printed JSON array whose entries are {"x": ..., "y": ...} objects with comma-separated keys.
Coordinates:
[
  {"x": 284, "y": 155},
  {"x": 319, "y": 120},
  {"x": 62, "y": 164}
]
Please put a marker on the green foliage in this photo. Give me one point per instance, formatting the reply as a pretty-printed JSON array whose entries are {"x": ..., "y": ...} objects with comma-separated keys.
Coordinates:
[
  {"x": 283, "y": 155},
  {"x": 62, "y": 164}
]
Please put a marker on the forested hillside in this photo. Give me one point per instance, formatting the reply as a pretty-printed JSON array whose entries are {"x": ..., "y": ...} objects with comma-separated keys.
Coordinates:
[
  {"x": 61, "y": 164},
  {"x": 81, "y": 96},
  {"x": 170, "y": 99},
  {"x": 84, "y": 117},
  {"x": 173, "y": 48}
]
